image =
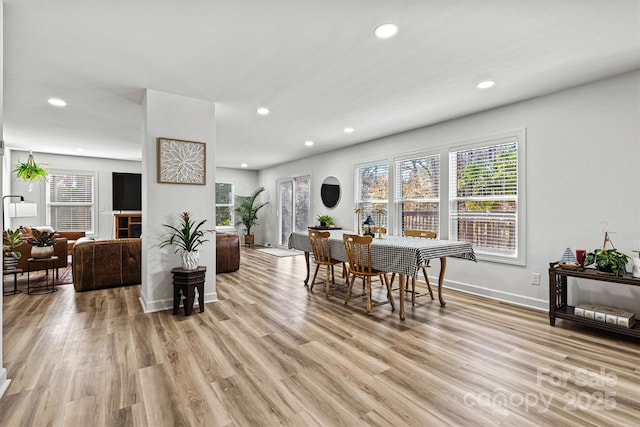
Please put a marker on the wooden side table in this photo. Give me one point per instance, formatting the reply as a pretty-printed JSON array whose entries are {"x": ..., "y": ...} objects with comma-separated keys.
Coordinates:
[
  {"x": 186, "y": 282},
  {"x": 43, "y": 288},
  {"x": 15, "y": 273}
]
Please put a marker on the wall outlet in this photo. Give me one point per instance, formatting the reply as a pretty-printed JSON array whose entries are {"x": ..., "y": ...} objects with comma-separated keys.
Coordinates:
[{"x": 535, "y": 278}]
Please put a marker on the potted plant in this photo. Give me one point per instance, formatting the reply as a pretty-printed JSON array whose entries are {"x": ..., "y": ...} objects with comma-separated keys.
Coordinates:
[
  {"x": 325, "y": 220},
  {"x": 187, "y": 238},
  {"x": 42, "y": 243},
  {"x": 608, "y": 260},
  {"x": 11, "y": 241},
  {"x": 247, "y": 210},
  {"x": 30, "y": 171}
]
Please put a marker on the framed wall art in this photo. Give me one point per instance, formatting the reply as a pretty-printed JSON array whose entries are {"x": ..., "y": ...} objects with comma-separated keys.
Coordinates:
[{"x": 181, "y": 162}]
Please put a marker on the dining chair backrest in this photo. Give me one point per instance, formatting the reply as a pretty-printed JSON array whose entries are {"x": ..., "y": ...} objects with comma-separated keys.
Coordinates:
[
  {"x": 425, "y": 234},
  {"x": 320, "y": 246},
  {"x": 358, "y": 250}
]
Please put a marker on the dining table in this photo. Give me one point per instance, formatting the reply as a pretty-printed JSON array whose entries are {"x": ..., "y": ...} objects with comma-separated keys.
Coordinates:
[{"x": 393, "y": 254}]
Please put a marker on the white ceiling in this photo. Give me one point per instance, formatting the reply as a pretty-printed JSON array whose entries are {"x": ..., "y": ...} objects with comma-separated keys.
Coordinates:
[{"x": 314, "y": 63}]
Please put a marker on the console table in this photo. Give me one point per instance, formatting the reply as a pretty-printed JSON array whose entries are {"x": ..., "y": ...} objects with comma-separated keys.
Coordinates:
[
  {"x": 186, "y": 282},
  {"x": 558, "y": 306}
]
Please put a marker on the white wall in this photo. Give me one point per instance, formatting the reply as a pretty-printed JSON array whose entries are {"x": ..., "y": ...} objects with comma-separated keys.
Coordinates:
[
  {"x": 4, "y": 381},
  {"x": 582, "y": 170},
  {"x": 178, "y": 117},
  {"x": 103, "y": 168}
]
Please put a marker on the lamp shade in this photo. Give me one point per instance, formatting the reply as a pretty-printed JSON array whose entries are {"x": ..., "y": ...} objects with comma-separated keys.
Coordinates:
[{"x": 23, "y": 210}]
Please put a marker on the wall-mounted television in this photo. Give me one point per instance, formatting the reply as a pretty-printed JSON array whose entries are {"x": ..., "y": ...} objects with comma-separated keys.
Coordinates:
[{"x": 127, "y": 191}]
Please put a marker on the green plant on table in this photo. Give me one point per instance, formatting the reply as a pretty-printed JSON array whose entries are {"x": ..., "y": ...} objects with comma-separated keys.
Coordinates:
[
  {"x": 12, "y": 240},
  {"x": 325, "y": 220},
  {"x": 608, "y": 260},
  {"x": 42, "y": 238},
  {"x": 188, "y": 236}
]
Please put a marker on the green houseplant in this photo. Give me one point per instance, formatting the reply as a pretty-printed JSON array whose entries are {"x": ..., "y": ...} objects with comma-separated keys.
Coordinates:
[
  {"x": 608, "y": 260},
  {"x": 42, "y": 243},
  {"x": 11, "y": 241},
  {"x": 187, "y": 238},
  {"x": 325, "y": 220},
  {"x": 247, "y": 210},
  {"x": 30, "y": 171}
]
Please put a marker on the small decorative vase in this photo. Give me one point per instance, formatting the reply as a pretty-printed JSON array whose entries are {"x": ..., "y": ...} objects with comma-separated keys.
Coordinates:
[
  {"x": 41, "y": 251},
  {"x": 190, "y": 260},
  {"x": 635, "y": 272},
  {"x": 10, "y": 263}
]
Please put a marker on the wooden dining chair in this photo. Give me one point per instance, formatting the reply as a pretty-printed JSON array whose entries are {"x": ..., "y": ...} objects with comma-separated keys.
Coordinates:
[
  {"x": 322, "y": 256},
  {"x": 422, "y": 234},
  {"x": 358, "y": 250}
]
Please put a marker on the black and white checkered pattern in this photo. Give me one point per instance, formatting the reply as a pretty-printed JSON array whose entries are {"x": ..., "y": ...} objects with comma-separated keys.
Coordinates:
[{"x": 393, "y": 254}]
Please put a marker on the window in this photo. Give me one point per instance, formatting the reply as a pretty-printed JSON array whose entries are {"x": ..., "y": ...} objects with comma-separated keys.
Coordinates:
[
  {"x": 486, "y": 203},
  {"x": 372, "y": 191},
  {"x": 417, "y": 195},
  {"x": 225, "y": 208},
  {"x": 71, "y": 201}
]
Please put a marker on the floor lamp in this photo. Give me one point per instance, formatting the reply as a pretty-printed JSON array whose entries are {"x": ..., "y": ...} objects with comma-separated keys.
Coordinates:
[{"x": 19, "y": 210}]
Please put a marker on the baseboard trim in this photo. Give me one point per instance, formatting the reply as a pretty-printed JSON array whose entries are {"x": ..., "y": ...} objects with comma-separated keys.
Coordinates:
[
  {"x": 167, "y": 304},
  {"x": 4, "y": 381},
  {"x": 524, "y": 301}
]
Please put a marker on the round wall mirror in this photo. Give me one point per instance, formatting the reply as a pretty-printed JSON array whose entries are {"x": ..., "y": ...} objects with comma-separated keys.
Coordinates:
[{"x": 330, "y": 191}]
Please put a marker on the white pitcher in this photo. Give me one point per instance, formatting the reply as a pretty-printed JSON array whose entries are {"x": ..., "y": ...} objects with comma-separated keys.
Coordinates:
[{"x": 635, "y": 272}]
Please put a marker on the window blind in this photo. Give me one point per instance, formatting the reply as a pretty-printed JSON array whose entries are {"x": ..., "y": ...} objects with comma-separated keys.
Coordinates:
[
  {"x": 372, "y": 191},
  {"x": 417, "y": 193},
  {"x": 483, "y": 195},
  {"x": 70, "y": 201}
]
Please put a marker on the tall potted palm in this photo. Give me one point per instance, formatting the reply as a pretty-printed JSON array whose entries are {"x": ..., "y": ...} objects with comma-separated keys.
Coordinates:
[{"x": 247, "y": 210}]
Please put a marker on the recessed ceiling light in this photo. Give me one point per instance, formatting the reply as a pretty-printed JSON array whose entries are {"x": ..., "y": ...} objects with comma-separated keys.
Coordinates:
[
  {"x": 348, "y": 130},
  {"x": 486, "y": 84},
  {"x": 262, "y": 111},
  {"x": 57, "y": 102},
  {"x": 243, "y": 165},
  {"x": 308, "y": 143},
  {"x": 386, "y": 31}
]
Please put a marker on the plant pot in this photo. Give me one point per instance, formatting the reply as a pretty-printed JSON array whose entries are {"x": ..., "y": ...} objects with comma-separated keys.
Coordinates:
[
  {"x": 249, "y": 240},
  {"x": 10, "y": 263},
  {"x": 190, "y": 260},
  {"x": 41, "y": 251}
]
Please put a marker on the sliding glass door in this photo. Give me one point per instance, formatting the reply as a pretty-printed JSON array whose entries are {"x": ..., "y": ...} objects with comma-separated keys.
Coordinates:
[{"x": 294, "y": 204}]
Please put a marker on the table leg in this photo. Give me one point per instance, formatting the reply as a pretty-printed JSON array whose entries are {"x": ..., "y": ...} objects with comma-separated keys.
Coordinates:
[
  {"x": 443, "y": 268},
  {"x": 401, "y": 284},
  {"x": 201, "y": 296},
  {"x": 306, "y": 260}
]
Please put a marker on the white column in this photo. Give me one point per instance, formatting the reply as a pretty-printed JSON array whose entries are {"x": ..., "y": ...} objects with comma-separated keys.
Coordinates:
[
  {"x": 4, "y": 381},
  {"x": 178, "y": 117}
]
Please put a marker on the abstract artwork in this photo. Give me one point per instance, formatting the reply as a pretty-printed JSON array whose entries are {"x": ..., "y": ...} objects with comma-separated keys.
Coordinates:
[{"x": 181, "y": 162}]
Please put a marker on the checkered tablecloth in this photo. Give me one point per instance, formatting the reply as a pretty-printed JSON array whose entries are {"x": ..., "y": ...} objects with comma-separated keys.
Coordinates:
[{"x": 394, "y": 254}]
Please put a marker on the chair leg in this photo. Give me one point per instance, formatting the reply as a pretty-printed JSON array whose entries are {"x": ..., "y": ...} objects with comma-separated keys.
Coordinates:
[
  {"x": 313, "y": 281},
  {"x": 426, "y": 279},
  {"x": 413, "y": 291},
  {"x": 349, "y": 286},
  {"x": 327, "y": 287},
  {"x": 389, "y": 293},
  {"x": 368, "y": 292},
  {"x": 393, "y": 276}
]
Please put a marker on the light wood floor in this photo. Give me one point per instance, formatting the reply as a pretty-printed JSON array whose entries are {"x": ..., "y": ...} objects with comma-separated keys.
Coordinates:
[{"x": 270, "y": 353}]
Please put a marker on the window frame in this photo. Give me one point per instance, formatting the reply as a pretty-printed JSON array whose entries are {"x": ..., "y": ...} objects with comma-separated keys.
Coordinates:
[
  {"x": 519, "y": 136},
  {"x": 389, "y": 215},
  {"x": 397, "y": 183},
  {"x": 232, "y": 205},
  {"x": 94, "y": 196}
]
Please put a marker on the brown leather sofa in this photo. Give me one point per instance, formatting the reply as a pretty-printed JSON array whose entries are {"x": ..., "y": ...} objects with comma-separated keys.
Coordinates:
[
  {"x": 101, "y": 264},
  {"x": 227, "y": 252}
]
